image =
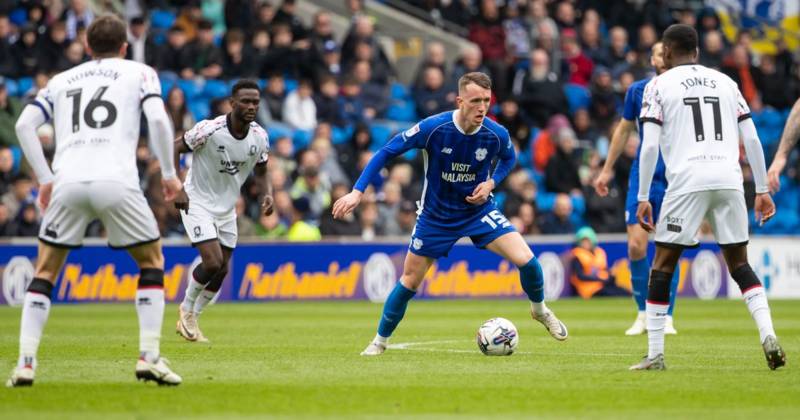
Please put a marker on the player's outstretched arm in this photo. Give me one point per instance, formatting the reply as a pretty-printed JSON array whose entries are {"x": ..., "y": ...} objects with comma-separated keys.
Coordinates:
[
  {"x": 30, "y": 119},
  {"x": 791, "y": 134},
  {"x": 161, "y": 135},
  {"x": 618, "y": 140}
]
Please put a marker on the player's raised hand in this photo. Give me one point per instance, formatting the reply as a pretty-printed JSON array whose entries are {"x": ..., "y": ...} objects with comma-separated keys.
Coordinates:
[
  {"x": 481, "y": 193},
  {"x": 345, "y": 205},
  {"x": 601, "y": 183},
  {"x": 764, "y": 208},
  {"x": 45, "y": 191},
  {"x": 171, "y": 187},
  {"x": 267, "y": 205},
  {"x": 644, "y": 213},
  {"x": 774, "y": 173}
]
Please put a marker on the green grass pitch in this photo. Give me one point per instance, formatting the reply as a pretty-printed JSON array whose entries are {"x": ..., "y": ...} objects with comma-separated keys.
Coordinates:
[{"x": 300, "y": 359}]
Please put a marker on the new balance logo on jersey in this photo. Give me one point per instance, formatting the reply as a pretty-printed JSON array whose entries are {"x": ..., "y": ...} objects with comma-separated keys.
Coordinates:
[
  {"x": 51, "y": 230},
  {"x": 447, "y": 150}
]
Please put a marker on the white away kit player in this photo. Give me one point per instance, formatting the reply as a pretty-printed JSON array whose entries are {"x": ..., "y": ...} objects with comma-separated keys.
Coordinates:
[{"x": 96, "y": 108}]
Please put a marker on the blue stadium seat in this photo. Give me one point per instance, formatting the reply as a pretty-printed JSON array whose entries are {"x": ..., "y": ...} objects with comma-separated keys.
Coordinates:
[
  {"x": 215, "y": 89},
  {"x": 577, "y": 96},
  {"x": 402, "y": 111},
  {"x": 162, "y": 19},
  {"x": 341, "y": 135},
  {"x": 200, "y": 109},
  {"x": 380, "y": 132},
  {"x": 13, "y": 88},
  {"x": 166, "y": 86},
  {"x": 24, "y": 84},
  {"x": 278, "y": 130},
  {"x": 399, "y": 91},
  {"x": 291, "y": 85},
  {"x": 191, "y": 88},
  {"x": 302, "y": 139},
  {"x": 545, "y": 200}
]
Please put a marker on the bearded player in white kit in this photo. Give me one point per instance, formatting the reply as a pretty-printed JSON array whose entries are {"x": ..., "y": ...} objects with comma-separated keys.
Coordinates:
[
  {"x": 697, "y": 116},
  {"x": 225, "y": 151},
  {"x": 96, "y": 108}
]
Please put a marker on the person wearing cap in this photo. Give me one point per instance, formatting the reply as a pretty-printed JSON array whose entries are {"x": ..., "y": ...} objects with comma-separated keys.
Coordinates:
[
  {"x": 590, "y": 276},
  {"x": 300, "y": 230}
]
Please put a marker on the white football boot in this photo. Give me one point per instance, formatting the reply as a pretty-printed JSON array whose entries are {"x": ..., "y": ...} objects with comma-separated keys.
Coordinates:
[
  {"x": 186, "y": 326},
  {"x": 21, "y": 377},
  {"x": 375, "y": 348},
  {"x": 639, "y": 325},
  {"x": 158, "y": 372},
  {"x": 669, "y": 327},
  {"x": 556, "y": 328}
]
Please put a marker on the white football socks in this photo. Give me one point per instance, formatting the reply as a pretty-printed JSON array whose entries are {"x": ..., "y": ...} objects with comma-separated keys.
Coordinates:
[
  {"x": 203, "y": 299},
  {"x": 35, "y": 311},
  {"x": 150, "y": 310},
  {"x": 193, "y": 290},
  {"x": 656, "y": 319},
  {"x": 756, "y": 300}
]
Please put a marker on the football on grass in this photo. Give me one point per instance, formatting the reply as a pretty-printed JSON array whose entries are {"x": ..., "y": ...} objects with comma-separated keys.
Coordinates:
[{"x": 497, "y": 337}]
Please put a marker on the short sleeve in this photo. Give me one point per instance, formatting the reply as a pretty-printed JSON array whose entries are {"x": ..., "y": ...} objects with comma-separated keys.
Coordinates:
[
  {"x": 44, "y": 101},
  {"x": 196, "y": 137},
  {"x": 629, "y": 108},
  {"x": 652, "y": 110},
  {"x": 742, "y": 110},
  {"x": 150, "y": 85}
]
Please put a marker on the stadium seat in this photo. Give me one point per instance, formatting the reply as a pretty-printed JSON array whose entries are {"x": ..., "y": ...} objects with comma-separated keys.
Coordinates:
[
  {"x": 399, "y": 91},
  {"x": 278, "y": 130},
  {"x": 191, "y": 88},
  {"x": 545, "y": 201},
  {"x": 577, "y": 96},
  {"x": 341, "y": 135},
  {"x": 291, "y": 85},
  {"x": 24, "y": 84},
  {"x": 215, "y": 89},
  {"x": 402, "y": 111},
  {"x": 302, "y": 139},
  {"x": 380, "y": 132},
  {"x": 166, "y": 86},
  {"x": 13, "y": 88},
  {"x": 200, "y": 109},
  {"x": 162, "y": 19}
]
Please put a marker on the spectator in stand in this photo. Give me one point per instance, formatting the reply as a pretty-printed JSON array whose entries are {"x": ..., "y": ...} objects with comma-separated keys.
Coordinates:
[
  {"x": 584, "y": 127},
  {"x": 363, "y": 31},
  {"x": 141, "y": 46},
  {"x": 406, "y": 218},
  {"x": 175, "y": 55},
  {"x": 237, "y": 64},
  {"x": 245, "y": 226},
  {"x": 434, "y": 97},
  {"x": 544, "y": 146},
  {"x": 604, "y": 214},
  {"x": 543, "y": 29},
  {"x": 540, "y": 95},
  {"x": 6, "y": 225},
  {"x": 6, "y": 169},
  {"x": 381, "y": 72},
  {"x": 329, "y": 162},
  {"x": 592, "y": 44},
  {"x": 271, "y": 106},
  {"x": 78, "y": 16},
  {"x": 558, "y": 220},
  {"x": 487, "y": 32},
  {"x": 178, "y": 112},
  {"x": 206, "y": 57},
  {"x": 312, "y": 185},
  {"x": 579, "y": 66},
  {"x": 389, "y": 208},
  {"x": 348, "y": 152},
  {"x": 737, "y": 66},
  {"x": 26, "y": 224},
  {"x": 299, "y": 110},
  {"x": 511, "y": 118},
  {"x": 772, "y": 84},
  {"x": 27, "y": 57},
  {"x": 561, "y": 174},
  {"x": 258, "y": 49},
  {"x": 346, "y": 226},
  {"x": 326, "y": 101},
  {"x": 517, "y": 39},
  {"x": 265, "y": 15},
  {"x": 713, "y": 50},
  {"x": 647, "y": 38},
  {"x": 565, "y": 15},
  {"x": 240, "y": 14},
  {"x": 189, "y": 20},
  {"x": 330, "y": 65},
  {"x": 301, "y": 230},
  {"x": 52, "y": 46},
  {"x": 471, "y": 60},
  {"x": 523, "y": 217},
  {"x": 281, "y": 57},
  {"x": 74, "y": 55},
  {"x": 351, "y": 105},
  {"x": 286, "y": 14},
  {"x": 618, "y": 49},
  {"x": 368, "y": 219},
  {"x": 271, "y": 227},
  {"x": 603, "y": 106},
  {"x": 434, "y": 57},
  {"x": 373, "y": 94},
  {"x": 10, "y": 108},
  {"x": 7, "y": 62},
  {"x": 321, "y": 33},
  {"x": 19, "y": 194}
]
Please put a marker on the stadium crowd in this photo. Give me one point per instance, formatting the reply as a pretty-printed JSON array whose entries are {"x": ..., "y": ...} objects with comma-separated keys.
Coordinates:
[{"x": 560, "y": 69}]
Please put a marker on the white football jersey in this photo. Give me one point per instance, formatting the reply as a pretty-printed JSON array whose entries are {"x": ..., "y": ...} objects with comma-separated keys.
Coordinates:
[
  {"x": 96, "y": 108},
  {"x": 699, "y": 110},
  {"x": 221, "y": 163}
]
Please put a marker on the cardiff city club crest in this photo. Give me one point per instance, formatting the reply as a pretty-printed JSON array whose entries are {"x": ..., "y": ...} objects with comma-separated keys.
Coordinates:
[{"x": 480, "y": 154}]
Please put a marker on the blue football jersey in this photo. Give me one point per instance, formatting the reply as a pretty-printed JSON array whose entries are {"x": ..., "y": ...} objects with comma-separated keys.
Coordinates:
[
  {"x": 455, "y": 163},
  {"x": 631, "y": 111}
]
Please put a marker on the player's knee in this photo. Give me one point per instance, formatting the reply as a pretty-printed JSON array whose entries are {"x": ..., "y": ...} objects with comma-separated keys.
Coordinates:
[
  {"x": 212, "y": 265},
  {"x": 745, "y": 277},
  {"x": 151, "y": 278},
  {"x": 637, "y": 250},
  {"x": 411, "y": 281}
]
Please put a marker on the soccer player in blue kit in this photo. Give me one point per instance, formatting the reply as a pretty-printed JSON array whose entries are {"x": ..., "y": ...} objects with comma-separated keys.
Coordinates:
[
  {"x": 637, "y": 236},
  {"x": 458, "y": 147}
]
